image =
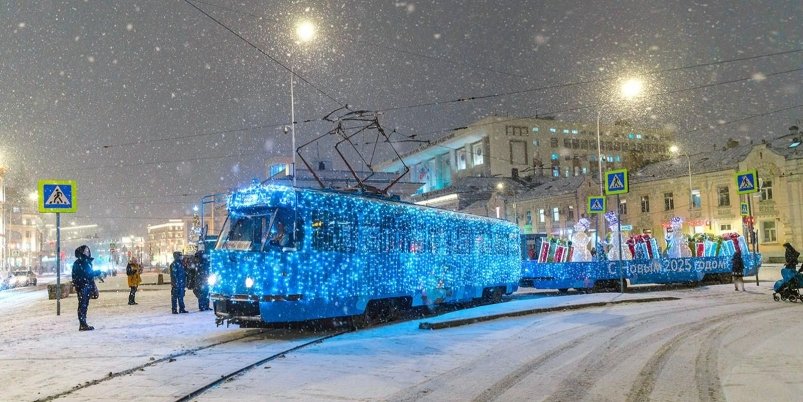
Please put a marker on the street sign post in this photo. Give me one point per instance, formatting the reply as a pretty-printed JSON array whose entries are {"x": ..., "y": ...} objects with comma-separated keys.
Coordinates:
[
  {"x": 616, "y": 183},
  {"x": 595, "y": 205},
  {"x": 57, "y": 196},
  {"x": 747, "y": 182}
]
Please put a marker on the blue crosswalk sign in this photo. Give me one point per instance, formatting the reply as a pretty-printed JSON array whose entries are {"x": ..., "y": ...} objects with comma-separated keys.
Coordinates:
[
  {"x": 595, "y": 205},
  {"x": 616, "y": 182},
  {"x": 746, "y": 182},
  {"x": 57, "y": 196}
]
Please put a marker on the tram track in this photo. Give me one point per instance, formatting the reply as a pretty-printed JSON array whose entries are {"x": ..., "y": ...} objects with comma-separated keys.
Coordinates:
[
  {"x": 165, "y": 359},
  {"x": 236, "y": 373}
]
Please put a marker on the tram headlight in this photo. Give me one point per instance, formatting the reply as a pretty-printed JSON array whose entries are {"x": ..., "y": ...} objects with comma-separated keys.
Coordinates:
[
  {"x": 212, "y": 280},
  {"x": 249, "y": 282}
]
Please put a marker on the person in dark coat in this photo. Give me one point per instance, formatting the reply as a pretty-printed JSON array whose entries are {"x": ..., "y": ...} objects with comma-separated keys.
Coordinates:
[
  {"x": 83, "y": 279},
  {"x": 737, "y": 268},
  {"x": 178, "y": 280},
  {"x": 201, "y": 288},
  {"x": 790, "y": 256}
]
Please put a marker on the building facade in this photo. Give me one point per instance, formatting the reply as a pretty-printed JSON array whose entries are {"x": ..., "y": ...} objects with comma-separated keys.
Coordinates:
[
  {"x": 165, "y": 238},
  {"x": 520, "y": 147}
]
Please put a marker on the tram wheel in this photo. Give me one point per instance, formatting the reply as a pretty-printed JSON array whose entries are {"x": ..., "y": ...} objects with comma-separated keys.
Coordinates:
[
  {"x": 492, "y": 295},
  {"x": 776, "y": 297},
  {"x": 563, "y": 290}
]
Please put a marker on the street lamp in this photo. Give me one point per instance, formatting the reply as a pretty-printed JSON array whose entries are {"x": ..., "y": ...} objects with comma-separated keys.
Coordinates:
[
  {"x": 629, "y": 89},
  {"x": 305, "y": 32}
]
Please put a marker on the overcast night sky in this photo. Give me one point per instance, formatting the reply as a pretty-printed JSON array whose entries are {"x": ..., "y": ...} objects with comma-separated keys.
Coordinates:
[{"x": 151, "y": 104}]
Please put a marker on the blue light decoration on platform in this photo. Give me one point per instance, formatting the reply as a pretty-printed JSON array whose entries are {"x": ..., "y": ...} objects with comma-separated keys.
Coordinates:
[
  {"x": 583, "y": 275},
  {"x": 352, "y": 248}
]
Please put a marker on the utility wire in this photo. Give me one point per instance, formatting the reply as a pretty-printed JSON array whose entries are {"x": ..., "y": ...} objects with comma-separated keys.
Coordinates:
[
  {"x": 321, "y": 91},
  {"x": 279, "y": 125},
  {"x": 583, "y": 82}
]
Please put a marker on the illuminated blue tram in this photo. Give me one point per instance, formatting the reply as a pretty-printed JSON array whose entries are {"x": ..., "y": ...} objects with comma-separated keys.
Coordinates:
[{"x": 288, "y": 255}]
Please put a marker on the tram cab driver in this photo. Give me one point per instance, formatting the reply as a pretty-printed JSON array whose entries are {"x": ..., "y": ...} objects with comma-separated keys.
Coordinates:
[{"x": 280, "y": 238}]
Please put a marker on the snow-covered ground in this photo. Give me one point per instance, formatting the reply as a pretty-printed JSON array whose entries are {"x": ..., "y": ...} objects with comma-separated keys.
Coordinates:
[{"x": 709, "y": 343}]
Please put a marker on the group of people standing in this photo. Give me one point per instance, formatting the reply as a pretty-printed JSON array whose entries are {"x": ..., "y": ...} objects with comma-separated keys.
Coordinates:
[
  {"x": 192, "y": 276},
  {"x": 190, "y": 273}
]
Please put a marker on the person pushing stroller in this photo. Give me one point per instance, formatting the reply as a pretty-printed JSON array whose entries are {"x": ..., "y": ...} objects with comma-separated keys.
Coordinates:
[{"x": 788, "y": 287}]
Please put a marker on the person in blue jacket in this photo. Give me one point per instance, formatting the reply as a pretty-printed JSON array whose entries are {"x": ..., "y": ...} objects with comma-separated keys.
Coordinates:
[
  {"x": 83, "y": 279},
  {"x": 178, "y": 281}
]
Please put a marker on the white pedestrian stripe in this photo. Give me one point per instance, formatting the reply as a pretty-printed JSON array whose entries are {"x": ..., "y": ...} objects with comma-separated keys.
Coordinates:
[
  {"x": 596, "y": 205},
  {"x": 57, "y": 197}
]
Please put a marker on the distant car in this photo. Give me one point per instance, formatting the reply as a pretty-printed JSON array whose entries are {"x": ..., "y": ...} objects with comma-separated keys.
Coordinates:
[{"x": 22, "y": 278}]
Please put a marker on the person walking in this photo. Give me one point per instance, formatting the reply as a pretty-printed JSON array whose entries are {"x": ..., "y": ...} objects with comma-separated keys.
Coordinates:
[
  {"x": 201, "y": 288},
  {"x": 134, "y": 272},
  {"x": 737, "y": 268},
  {"x": 83, "y": 279},
  {"x": 790, "y": 256},
  {"x": 178, "y": 280}
]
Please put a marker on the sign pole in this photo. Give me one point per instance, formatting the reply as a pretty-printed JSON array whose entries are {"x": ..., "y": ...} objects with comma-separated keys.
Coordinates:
[
  {"x": 752, "y": 235},
  {"x": 57, "y": 196},
  {"x": 619, "y": 229},
  {"x": 58, "y": 263}
]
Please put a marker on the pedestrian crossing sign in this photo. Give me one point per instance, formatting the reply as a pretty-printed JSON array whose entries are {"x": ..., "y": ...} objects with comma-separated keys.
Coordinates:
[
  {"x": 616, "y": 182},
  {"x": 745, "y": 210},
  {"x": 747, "y": 182},
  {"x": 595, "y": 205},
  {"x": 57, "y": 196}
]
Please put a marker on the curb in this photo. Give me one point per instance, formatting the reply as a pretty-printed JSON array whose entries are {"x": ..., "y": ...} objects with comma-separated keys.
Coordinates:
[{"x": 467, "y": 321}]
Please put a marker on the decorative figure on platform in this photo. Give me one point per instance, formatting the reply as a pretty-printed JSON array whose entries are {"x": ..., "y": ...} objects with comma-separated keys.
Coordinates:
[
  {"x": 676, "y": 244},
  {"x": 580, "y": 240},
  {"x": 616, "y": 239}
]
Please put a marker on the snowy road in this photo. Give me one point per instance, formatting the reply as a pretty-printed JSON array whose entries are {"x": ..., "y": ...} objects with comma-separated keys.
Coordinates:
[{"x": 710, "y": 344}]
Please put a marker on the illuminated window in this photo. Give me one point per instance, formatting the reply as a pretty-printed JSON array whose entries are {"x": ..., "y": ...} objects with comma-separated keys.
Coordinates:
[
  {"x": 535, "y": 129},
  {"x": 541, "y": 215},
  {"x": 461, "y": 159},
  {"x": 766, "y": 190},
  {"x": 696, "y": 200},
  {"x": 723, "y": 196},
  {"x": 553, "y": 130},
  {"x": 476, "y": 152},
  {"x": 555, "y": 214},
  {"x": 645, "y": 203},
  {"x": 768, "y": 232}
]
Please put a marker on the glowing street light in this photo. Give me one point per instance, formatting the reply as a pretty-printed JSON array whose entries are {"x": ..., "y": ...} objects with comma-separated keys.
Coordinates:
[
  {"x": 305, "y": 32},
  {"x": 630, "y": 89}
]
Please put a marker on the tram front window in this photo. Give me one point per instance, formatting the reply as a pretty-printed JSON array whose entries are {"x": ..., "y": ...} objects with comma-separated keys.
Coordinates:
[{"x": 256, "y": 232}]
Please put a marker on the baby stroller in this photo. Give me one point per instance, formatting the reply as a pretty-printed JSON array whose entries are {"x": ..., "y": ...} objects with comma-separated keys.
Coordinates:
[{"x": 788, "y": 287}]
